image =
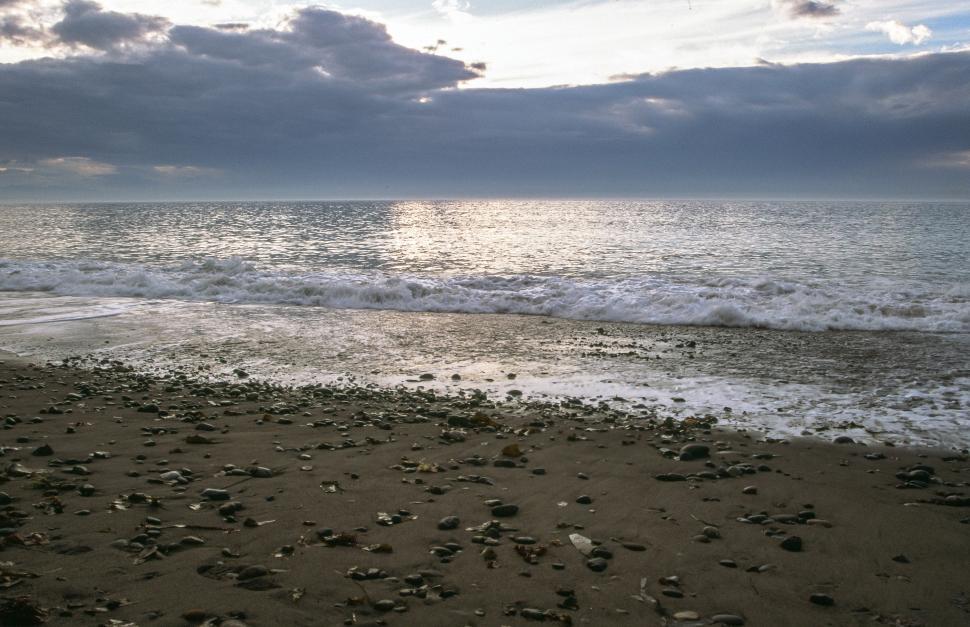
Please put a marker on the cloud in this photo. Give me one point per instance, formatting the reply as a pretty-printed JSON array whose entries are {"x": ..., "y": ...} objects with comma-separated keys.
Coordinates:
[
  {"x": 451, "y": 8},
  {"x": 807, "y": 8},
  {"x": 79, "y": 166},
  {"x": 87, "y": 24},
  {"x": 956, "y": 159},
  {"x": 184, "y": 170},
  {"x": 8, "y": 167},
  {"x": 333, "y": 45},
  {"x": 15, "y": 31},
  {"x": 900, "y": 33},
  {"x": 328, "y": 105}
]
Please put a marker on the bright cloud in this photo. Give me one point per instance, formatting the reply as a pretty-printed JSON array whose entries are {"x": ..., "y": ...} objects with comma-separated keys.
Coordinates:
[
  {"x": 900, "y": 33},
  {"x": 451, "y": 8},
  {"x": 184, "y": 170},
  {"x": 79, "y": 166}
]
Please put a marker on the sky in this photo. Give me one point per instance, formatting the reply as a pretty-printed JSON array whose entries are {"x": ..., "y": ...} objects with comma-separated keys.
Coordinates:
[{"x": 240, "y": 99}]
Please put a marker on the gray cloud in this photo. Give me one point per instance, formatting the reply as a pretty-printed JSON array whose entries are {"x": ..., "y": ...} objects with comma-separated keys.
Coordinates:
[
  {"x": 86, "y": 23},
  {"x": 808, "y": 8},
  {"x": 331, "y": 107},
  {"x": 16, "y": 31},
  {"x": 338, "y": 47}
]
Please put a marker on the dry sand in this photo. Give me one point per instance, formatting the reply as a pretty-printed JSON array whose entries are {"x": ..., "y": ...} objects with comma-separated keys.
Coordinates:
[{"x": 94, "y": 532}]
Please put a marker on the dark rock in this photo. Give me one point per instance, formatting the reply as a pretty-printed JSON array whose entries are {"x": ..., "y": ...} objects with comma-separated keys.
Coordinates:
[
  {"x": 449, "y": 522},
  {"x": 792, "y": 543},
  {"x": 844, "y": 439},
  {"x": 597, "y": 564},
  {"x": 251, "y": 572},
  {"x": 821, "y": 599},
  {"x": 602, "y": 551},
  {"x": 531, "y": 613},
  {"x": 694, "y": 451},
  {"x": 727, "y": 619},
  {"x": 215, "y": 494},
  {"x": 43, "y": 450},
  {"x": 505, "y": 511},
  {"x": 584, "y": 499}
]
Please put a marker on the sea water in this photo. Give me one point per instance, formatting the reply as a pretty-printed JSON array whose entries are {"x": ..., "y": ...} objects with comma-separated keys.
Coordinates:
[{"x": 798, "y": 316}]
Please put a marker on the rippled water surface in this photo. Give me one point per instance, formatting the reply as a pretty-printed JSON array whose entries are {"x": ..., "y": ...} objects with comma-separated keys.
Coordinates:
[{"x": 806, "y": 266}]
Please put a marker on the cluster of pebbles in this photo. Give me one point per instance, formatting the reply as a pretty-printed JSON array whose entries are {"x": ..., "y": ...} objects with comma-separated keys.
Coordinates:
[{"x": 229, "y": 503}]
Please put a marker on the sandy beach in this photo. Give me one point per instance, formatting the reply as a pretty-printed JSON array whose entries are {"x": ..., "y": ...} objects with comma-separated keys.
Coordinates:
[{"x": 166, "y": 500}]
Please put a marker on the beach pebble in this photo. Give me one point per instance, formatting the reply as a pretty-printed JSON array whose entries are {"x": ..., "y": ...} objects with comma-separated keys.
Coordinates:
[
  {"x": 792, "y": 543},
  {"x": 195, "y": 615},
  {"x": 260, "y": 472},
  {"x": 251, "y": 572},
  {"x": 821, "y": 599},
  {"x": 727, "y": 619},
  {"x": 844, "y": 439},
  {"x": 584, "y": 499},
  {"x": 750, "y": 490},
  {"x": 449, "y": 522},
  {"x": 43, "y": 450},
  {"x": 597, "y": 564},
  {"x": 505, "y": 511},
  {"x": 215, "y": 494},
  {"x": 694, "y": 451}
]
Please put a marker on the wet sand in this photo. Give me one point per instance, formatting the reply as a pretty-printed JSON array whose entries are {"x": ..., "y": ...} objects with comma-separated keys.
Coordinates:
[{"x": 330, "y": 506}]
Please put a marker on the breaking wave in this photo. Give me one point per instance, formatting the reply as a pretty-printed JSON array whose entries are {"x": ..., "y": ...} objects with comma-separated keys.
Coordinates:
[{"x": 733, "y": 302}]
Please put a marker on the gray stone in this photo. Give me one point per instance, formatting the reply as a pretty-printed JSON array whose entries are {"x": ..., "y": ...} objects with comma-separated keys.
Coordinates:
[{"x": 215, "y": 494}]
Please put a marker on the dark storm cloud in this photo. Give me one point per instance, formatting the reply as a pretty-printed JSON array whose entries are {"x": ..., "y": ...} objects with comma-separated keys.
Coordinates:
[
  {"x": 329, "y": 106},
  {"x": 809, "y": 8},
  {"x": 340, "y": 47},
  {"x": 86, "y": 23}
]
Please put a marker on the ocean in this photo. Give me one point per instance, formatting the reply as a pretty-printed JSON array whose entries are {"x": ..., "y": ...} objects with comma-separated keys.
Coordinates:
[{"x": 796, "y": 318}]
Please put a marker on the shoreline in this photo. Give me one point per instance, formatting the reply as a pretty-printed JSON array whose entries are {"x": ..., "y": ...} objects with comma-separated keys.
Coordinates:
[{"x": 340, "y": 506}]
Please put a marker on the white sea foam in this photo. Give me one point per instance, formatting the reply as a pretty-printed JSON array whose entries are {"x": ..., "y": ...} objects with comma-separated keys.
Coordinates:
[{"x": 735, "y": 302}]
